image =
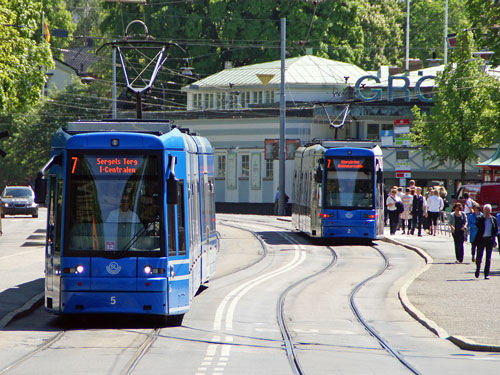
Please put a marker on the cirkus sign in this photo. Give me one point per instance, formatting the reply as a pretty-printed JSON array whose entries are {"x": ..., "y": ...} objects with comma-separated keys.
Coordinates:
[{"x": 405, "y": 89}]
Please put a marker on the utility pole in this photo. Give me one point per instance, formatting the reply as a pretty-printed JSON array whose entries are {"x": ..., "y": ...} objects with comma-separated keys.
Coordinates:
[
  {"x": 445, "y": 58},
  {"x": 113, "y": 90},
  {"x": 407, "y": 63},
  {"x": 282, "y": 202}
]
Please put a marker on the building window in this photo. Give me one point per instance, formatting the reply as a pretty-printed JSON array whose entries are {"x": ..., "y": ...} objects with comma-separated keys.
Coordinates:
[
  {"x": 195, "y": 101},
  {"x": 372, "y": 132},
  {"x": 268, "y": 97},
  {"x": 269, "y": 169},
  {"x": 402, "y": 155},
  {"x": 243, "y": 99},
  {"x": 219, "y": 101},
  {"x": 259, "y": 97},
  {"x": 221, "y": 166},
  {"x": 245, "y": 165}
]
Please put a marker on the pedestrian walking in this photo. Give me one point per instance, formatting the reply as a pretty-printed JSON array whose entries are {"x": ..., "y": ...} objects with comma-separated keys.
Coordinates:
[
  {"x": 471, "y": 223},
  {"x": 458, "y": 225},
  {"x": 487, "y": 229},
  {"x": 435, "y": 205},
  {"x": 407, "y": 200},
  {"x": 392, "y": 210},
  {"x": 419, "y": 209}
]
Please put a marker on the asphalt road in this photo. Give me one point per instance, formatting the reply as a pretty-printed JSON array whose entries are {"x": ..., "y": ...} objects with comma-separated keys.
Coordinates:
[{"x": 232, "y": 325}]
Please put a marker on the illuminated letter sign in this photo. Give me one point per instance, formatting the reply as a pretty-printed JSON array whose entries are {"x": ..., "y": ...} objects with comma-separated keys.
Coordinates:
[
  {"x": 358, "y": 87},
  {"x": 109, "y": 165},
  {"x": 390, "y": 88},
  {"x": 419, "y": 93},
  {"x": 378, "y": 92},
  {"x": 349, "y": 164}
]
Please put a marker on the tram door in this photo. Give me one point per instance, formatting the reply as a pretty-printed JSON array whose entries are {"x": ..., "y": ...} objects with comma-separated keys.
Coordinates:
[{"x": 53, "y": 244}]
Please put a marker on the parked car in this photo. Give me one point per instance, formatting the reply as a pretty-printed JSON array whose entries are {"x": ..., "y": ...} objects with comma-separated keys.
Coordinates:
[
  {"x": 18, "y": 200},
  {"x": 486, "y": 192}
]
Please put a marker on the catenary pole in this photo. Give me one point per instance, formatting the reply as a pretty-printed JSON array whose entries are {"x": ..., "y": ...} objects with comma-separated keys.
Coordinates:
[
  {"x": 281, "y": 203},
  {"x": 407, "y": 54},
  {"x": 445, "y": 59},
  {"x": 114, "y": 82}
]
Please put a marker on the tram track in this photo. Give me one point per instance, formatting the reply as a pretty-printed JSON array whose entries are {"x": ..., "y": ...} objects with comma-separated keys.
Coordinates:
[
  {"x": 352, "y": 300},
  {"x": 47, "y": 344},
  {"x": 286, "y": 334}
]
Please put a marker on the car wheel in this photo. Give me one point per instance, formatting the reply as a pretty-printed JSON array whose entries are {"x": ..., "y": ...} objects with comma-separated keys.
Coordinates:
[{"x": 35, "y": 215}]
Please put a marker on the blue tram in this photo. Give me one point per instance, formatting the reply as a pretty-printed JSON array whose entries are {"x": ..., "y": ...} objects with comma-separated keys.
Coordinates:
[
  {"x": 131, "y": 218},
  {"x": 338, "y": 190}
]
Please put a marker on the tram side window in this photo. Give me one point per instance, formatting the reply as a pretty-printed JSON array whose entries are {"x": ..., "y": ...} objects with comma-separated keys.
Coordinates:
[
  {"x": 59, "y": 202},
  {"x": 181, "y": 222},
  {"x": 172, "y": 246}
]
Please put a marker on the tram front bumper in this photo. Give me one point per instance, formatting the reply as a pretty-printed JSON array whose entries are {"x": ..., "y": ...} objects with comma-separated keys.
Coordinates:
[{"x": 151, "y": 303}]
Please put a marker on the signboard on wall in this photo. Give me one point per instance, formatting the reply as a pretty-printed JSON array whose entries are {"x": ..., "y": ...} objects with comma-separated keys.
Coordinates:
[
  {"x": 291, "y": 146},
  {"x": 231, "y": 174},
  {"x": 272, "y": 148},
  {"x": 255, "y": 171}
]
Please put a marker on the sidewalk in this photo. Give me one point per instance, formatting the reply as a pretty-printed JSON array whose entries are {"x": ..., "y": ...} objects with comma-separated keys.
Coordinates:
[{"x": 447, "y": 298}]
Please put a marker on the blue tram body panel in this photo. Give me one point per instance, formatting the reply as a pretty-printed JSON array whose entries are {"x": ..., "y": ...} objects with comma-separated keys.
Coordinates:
[
  {"x": 128, "y": 208},
  {"x": 338, "y": 190}
]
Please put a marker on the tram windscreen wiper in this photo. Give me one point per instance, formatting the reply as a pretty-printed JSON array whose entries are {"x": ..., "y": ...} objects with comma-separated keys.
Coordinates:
[{"x": 130, "y": 243}]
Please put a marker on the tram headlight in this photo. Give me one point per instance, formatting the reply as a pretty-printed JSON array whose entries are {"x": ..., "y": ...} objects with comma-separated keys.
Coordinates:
[
  {"x": 148, "y": 270},
  {"x": 74, "y": 270}
]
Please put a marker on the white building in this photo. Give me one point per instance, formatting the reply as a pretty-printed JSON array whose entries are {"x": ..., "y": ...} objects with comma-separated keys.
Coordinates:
[{"x": 237, "y": 109}]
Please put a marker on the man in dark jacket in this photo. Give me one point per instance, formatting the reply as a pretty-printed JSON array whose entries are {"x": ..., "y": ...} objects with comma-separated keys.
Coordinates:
[
  {"x": 487, "y": 228},
  {"x": 419, "y": 209}
]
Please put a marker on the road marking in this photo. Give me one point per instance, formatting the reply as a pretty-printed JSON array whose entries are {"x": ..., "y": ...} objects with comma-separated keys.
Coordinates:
[
  {"x": 19, "y": 254},
  {"x": 231, "y": 300}
]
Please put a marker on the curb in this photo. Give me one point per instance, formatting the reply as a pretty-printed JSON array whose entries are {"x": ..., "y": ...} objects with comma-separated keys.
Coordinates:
[
  {"x": 461, "y": 342},
  {"x": 24, "y": 310}
]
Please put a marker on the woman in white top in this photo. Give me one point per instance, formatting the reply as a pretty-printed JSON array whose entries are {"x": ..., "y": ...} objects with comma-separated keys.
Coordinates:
[
  {"x": 393, "y": 210},
  {"x": 434, "y": 206},
  {"x": 407, "y": 200}
]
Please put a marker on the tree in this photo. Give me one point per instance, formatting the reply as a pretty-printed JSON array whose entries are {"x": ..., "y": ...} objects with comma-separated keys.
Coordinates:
[
  {"x": 31, "y": 132},
  {"x": 427, "y": 25},
  {"x": 465, "y": 115},
  {"x": 485, "y": 18},
  {"x": 23, "y": 61}
]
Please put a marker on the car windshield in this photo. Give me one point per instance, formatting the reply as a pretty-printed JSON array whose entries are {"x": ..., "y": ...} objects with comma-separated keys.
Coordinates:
[{"x": 17, "y": 192}]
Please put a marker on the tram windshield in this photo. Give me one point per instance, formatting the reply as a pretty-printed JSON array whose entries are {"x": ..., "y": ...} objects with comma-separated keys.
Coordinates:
[
  {"x": 113, "y": 204},
  {"x": 349, "y": 183}
]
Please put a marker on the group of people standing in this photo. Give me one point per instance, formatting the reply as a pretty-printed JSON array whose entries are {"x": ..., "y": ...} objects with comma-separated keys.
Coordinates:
[
  {"x": 409, "y": 209},
  {"x": 482, "y": 228}
]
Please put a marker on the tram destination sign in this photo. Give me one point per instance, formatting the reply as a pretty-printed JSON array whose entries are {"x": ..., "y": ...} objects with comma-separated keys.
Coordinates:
[{"x": 107, "y": 165}]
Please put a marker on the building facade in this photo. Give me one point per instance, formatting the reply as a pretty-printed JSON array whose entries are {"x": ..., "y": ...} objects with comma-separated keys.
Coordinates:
[{"x": 237, "y": 109}]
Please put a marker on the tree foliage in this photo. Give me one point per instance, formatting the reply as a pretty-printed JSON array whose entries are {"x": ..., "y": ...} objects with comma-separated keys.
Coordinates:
[
  {"x": 485, "y": 18},
  {"x": 31, "y": 132},
  {"x": 464, "y": 117},
  {"x": 427, "y": 25},
  {"x": 22, "y": 60}
]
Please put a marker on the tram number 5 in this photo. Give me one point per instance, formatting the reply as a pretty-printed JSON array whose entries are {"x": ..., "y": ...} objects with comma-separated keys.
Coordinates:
[{"x": 112, "y": 300}]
